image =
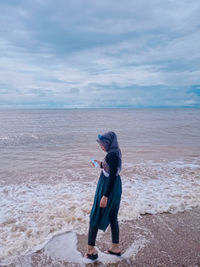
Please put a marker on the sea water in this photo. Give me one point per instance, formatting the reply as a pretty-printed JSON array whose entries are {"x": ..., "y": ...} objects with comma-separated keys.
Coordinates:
[{"x": 47, "y": 182}]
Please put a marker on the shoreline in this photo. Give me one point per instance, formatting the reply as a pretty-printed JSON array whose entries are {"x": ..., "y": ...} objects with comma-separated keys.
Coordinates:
[{"x": 163, "y": 239}]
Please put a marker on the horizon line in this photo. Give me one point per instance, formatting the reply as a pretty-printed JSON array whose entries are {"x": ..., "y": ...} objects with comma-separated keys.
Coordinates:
[{"x": 70, "y": 108}]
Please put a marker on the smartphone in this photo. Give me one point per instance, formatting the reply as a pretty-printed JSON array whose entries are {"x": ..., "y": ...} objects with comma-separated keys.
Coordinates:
[{"x": 94, "y": 162}]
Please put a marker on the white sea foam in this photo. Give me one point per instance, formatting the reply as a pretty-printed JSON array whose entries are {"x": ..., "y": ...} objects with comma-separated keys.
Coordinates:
[
  {"x": 168, "y": 190},
  {"x": 57, "y": 248},
  {"x": 62, "y": 248},
  {"x": 32, "y": 213}
]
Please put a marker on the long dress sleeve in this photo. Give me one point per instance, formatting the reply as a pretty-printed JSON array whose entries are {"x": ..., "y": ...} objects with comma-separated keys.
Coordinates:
[{"x": 112, "y": 161}]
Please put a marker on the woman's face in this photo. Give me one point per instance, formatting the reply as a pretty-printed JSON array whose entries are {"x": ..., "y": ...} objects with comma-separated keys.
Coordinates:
[{"x": 102, "y": 147}]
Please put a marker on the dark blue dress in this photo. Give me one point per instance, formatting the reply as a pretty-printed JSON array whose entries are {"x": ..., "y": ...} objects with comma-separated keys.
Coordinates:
[{"x": 100, "y": 217}]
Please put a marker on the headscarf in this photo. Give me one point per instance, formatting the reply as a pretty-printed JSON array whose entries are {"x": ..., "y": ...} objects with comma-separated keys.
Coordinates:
[{"x": 110, "y": 143}]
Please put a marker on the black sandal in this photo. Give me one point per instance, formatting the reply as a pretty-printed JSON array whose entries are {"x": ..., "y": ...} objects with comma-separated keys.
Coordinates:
[
  {"x": 113, "y": 253},
  {"x": 91, "y": 256}
]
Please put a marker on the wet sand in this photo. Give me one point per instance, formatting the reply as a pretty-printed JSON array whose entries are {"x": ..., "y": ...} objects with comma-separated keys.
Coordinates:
[{"x": 153, "y": 240}]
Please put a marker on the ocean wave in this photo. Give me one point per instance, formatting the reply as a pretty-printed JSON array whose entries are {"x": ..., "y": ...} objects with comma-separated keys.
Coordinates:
[{"x": 32, "y": 213}]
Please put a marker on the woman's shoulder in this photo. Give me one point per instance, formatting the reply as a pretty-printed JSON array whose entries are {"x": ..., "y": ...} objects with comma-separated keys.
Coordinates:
[{"x": 112, "y": 156}]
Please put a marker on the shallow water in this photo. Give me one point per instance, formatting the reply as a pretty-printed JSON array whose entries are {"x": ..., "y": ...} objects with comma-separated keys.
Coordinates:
[{"x": 47, "y": 183}]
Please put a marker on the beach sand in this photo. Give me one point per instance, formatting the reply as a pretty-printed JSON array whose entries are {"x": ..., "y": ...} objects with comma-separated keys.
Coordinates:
[{"x": 153, "y": 240}]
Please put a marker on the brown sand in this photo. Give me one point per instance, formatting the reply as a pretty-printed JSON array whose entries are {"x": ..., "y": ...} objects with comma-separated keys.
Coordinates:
[{"x": 170, "y": 240}]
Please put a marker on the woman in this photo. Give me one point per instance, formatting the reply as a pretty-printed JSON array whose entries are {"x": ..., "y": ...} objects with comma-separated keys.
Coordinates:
[{"x": 107, "y": 196}]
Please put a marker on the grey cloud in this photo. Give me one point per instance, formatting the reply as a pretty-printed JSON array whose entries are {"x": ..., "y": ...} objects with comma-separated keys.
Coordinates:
[{"x": 75, "y": 52}]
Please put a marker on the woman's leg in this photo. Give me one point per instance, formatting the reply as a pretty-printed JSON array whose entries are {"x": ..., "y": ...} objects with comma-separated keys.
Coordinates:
[
  {"x": 115, "y": 229},
  {"x": 92, "y": 234}
]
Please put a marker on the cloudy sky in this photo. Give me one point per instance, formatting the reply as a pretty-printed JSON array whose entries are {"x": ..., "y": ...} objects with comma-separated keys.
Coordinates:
[{"x": 91, "y": 53}]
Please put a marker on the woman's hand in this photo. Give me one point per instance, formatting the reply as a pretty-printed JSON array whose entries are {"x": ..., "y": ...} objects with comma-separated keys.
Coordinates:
[
  {"x": 103, "y": 202},
  {"x": 98, "y": 161}
]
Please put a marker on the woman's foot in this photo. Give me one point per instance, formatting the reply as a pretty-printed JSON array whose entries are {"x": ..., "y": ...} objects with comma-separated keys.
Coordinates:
[
  {"x": 114, "y": 250},
  {"x": 116, "y": 253},
  {"x": 91, "y": 254}
]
